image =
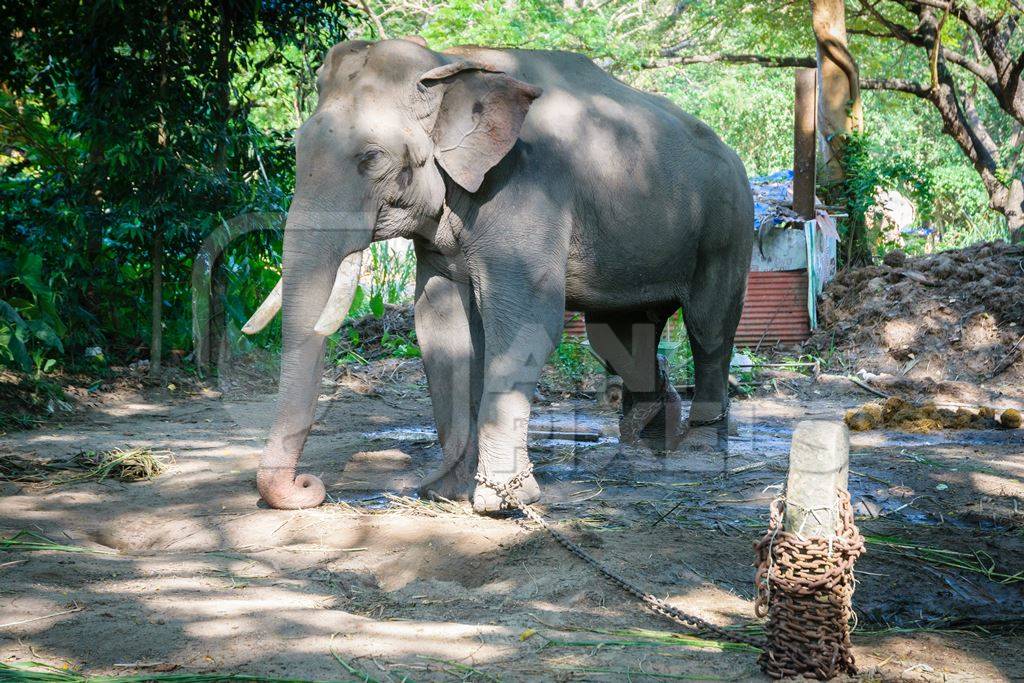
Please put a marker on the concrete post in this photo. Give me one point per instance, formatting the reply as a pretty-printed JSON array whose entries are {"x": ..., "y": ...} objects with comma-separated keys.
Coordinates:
[{"x": 819, "y": 463}]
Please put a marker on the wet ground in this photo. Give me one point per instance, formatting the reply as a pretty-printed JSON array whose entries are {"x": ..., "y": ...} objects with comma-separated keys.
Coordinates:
[{"x": 189, "y": 573}]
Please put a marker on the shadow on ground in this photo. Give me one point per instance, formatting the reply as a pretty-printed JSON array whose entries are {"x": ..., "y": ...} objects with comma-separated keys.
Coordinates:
[{"x": 187, "y": 571}]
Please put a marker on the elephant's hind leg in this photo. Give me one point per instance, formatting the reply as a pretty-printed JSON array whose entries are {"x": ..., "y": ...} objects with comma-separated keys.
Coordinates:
[
  {"x": 628, "y": 343},
  {"x": 711, "y": 314},
  {"x": 451, "y": 341}
]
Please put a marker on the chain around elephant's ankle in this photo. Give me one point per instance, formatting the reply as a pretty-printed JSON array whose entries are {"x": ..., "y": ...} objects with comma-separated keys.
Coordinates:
[
  {"x": 707, "y": 423},
  {"x": 507, "y": 491}
]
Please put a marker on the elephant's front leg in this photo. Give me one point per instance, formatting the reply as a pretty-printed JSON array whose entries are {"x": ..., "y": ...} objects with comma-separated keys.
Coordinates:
[
  {"x": 520, "y": 332},
  {"x": 451, "y": 341}
]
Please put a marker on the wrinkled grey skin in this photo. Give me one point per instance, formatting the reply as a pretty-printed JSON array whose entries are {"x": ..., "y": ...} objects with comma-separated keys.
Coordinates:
[{"x": 530, "y": 182}]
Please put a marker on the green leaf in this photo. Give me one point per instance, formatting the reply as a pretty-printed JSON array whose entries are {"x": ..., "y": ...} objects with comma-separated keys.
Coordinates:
[
  {"x": 377, "y": 305},
  {"x": 357, "y": 299},
  {"x": 45, "y": 334},
  {"x": 30, "y": 274},
  {"x": 10, "y": 314},
  {"x": 15, "y": 350}
]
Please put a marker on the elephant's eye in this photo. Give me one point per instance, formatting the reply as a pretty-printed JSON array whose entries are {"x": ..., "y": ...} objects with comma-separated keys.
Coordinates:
[{"x": 367, "y": 158}]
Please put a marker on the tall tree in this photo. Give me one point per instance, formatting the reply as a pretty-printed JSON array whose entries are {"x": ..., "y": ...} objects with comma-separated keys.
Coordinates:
[
  {"x": 964, "y": 58},
  {"x": 840, "y": 110},
  {"x": 969, "y": 47},
  {"x": 127, "y": 134}
]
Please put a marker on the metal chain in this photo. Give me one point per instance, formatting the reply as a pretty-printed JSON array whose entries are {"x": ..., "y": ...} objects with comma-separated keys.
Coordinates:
[
  {"x": 507, "y": 492},
  {"x": 707, "y": 423},
  {"x": 632, "y": 424},
  {"x": 805, "y": 588}
]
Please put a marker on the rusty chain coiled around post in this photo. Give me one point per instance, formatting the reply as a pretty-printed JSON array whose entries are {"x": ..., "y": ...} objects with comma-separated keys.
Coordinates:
[
  {"x": 507, "y": 492},
  {"x": 805, "y": 587}
]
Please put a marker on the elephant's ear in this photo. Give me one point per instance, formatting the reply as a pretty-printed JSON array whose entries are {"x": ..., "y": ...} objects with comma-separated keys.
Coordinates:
[{"x": 474, "y": 114}]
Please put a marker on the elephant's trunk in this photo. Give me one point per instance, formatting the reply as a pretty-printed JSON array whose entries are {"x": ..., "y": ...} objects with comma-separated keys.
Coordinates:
[{"x": 311, "y": 263}]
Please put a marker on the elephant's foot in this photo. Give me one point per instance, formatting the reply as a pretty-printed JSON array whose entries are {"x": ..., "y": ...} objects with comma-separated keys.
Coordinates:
[
  {"x": 486, "y": 499},
  {"x": 707, "y": 435},
  {"x": 705, "y": 438},
  {"x": 663, "y": 432},
  {"x": 450, "y": 482},
  {"x": 707, "y": 427},
  {"x": 655, "y": 420}
]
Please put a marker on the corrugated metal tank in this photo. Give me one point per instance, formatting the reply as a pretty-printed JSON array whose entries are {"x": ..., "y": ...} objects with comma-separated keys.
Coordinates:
[
  {"x": 575, "y": 325},
  {"x": 775, "y": 309}
]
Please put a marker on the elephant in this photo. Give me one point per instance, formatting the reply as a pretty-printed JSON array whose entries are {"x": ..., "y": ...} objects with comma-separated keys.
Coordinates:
[{"x": 530, "y": 182}]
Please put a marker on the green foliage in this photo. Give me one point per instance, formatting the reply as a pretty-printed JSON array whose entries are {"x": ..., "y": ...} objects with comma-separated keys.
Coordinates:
[
  {"x": 155, "y": 126},
  {"x": 30, "y": 327},
  {"x": 391, "y": 277},
  {"x": 399, "y": 346},
  {"x": 594, "y": 29},
  {"x": 172, "y": 119},
  {"x": 572, "y": 359},
  {"x": 960, "y": 213},
  {"x": 949, "y": 197}
]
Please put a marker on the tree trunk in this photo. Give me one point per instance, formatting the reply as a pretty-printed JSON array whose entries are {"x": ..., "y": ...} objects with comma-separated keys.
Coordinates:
[
  {"x": 214, "y": 344},
  {"x": 840, "y": 113},
  {"x": 156, "y": 341},
  {"x": 156, "y": 317},
  {"x": 839, "y": 104},
  {"x": 222, "y": 66},
  {"x": 1015, "y": 210},
  {"x": 220, "y": 348}
]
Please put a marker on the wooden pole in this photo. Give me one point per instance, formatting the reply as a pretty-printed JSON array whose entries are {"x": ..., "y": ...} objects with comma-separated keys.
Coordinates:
[
  {"x": 804, "y": 142},
  {"x": 819, "y": 463}
]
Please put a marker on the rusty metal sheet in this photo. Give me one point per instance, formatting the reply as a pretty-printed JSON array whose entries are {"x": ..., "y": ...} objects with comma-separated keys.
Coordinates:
[
  {"x": 575, "y": 325},
  {"x": 774, "y": 309}
]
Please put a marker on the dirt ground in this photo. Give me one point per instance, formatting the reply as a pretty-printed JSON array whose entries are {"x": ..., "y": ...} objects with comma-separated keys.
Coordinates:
[{"x": 188, "y": 573}]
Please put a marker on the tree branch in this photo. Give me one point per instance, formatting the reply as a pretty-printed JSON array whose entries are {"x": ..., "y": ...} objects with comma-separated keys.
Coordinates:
[
  {"x": 972, "y": 15},
  {"x": 985, "y": 73},
  {"x": 914, "y": 37},
  {"x": 933, "y": 58},
  {"x": 377, "y": 24},
  {"x": 759, "y": 60},
  {"x": 898, "y": 85}
]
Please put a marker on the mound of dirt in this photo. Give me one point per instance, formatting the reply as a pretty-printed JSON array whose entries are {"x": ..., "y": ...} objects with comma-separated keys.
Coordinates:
[{"x": 953, "y": 316}]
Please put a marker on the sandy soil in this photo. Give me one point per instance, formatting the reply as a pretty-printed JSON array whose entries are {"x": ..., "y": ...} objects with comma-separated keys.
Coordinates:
[{"x": 189, "y": 573}]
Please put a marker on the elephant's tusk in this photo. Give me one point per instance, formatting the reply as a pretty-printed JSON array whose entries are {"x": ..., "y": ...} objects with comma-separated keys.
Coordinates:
[
  {"x": 266, "y": 312},
  {"x": 341, "y": 295}
]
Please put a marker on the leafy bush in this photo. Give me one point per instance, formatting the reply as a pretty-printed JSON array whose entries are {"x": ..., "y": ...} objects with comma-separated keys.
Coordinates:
[
  {"x": 961, "y": 214},
  {"x": 391, "y": 276},
  {"x": 30, "y": 329}
]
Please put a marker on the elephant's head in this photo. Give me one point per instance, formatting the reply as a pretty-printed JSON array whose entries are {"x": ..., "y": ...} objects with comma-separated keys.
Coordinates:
[{"x": 395, "y": 128}]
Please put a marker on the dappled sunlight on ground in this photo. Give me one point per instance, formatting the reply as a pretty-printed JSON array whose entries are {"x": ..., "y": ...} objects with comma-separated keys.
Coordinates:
[{"x": 195, "y": 574}]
